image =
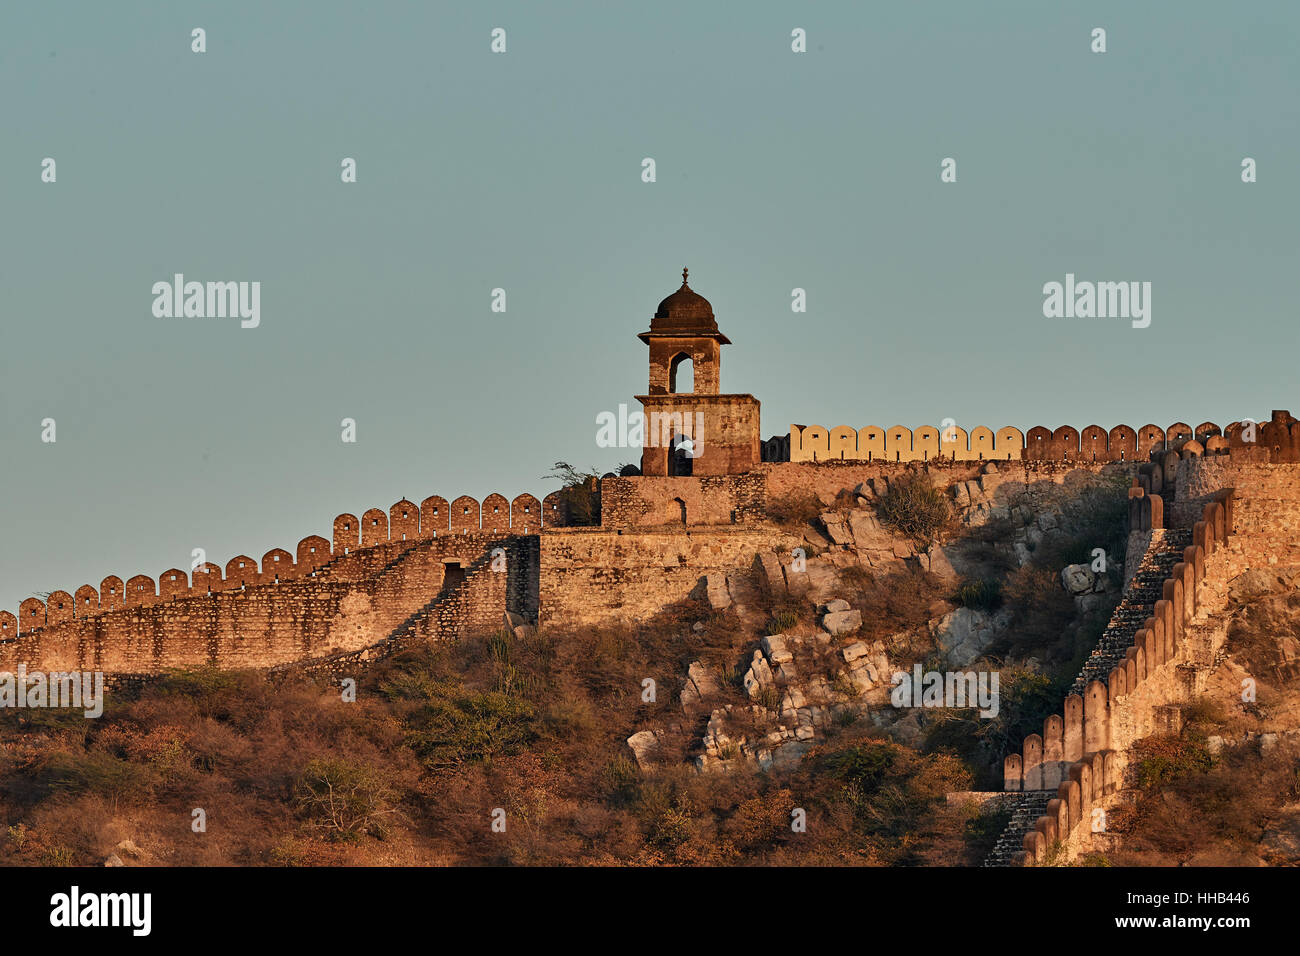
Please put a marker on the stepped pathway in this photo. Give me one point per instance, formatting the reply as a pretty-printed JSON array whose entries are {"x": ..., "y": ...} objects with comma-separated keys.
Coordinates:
[
  {"x": 407, "y": 629},
  {"x": 1026, "y": 808},
  {"x": 1138, "y": 604},
  {"x": 401, "y": 635}
]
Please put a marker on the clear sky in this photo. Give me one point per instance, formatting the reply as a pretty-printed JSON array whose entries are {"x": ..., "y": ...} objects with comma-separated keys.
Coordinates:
[{"x": 522, "y": 171}]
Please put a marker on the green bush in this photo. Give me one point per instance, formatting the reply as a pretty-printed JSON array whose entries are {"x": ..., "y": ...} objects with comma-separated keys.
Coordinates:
[
  {"x": 1162, "y": 760},
  {"x": 891, "y": 792},
  {"x": 621, "y": 779},
  {"x": 782, "y": 621},
  {"x": 99, "y": 773},
  {"x": 984, "y": 595},
  {"x": 579, "y": 494},
  {"x": 467, "y": 728},
  {"x": 865, "y": 765},
  {"x": 913, "y": 507}
]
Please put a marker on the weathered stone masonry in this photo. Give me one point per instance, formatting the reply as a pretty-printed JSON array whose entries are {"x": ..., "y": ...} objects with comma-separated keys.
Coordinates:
[
  {"x": 1231, "y": 512},
  {"x": 443, "y": 569}
]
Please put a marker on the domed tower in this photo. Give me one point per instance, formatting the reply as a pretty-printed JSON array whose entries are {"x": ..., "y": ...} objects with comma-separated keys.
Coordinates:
[{"x": 695, "y": 430}]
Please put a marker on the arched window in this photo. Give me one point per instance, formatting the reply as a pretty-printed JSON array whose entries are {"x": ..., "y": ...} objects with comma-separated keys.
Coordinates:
[
  {"x": 681, "y": 374},
  {"x": 681, "y": 456}
]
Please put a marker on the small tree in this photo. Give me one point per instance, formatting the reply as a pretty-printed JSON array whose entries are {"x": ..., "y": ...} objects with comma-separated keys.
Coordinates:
[
  {"x": 344, "y": 798},
  {"x": 579, "y": 494}
]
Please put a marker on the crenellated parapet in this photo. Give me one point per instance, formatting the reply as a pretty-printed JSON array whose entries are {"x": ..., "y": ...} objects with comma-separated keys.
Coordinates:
[
  {"x": 1277, "y": 440},
  {"x": 403, "y": 521}
]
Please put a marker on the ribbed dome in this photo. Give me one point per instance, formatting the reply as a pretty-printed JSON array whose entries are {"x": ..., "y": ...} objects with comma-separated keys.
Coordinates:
[{"x": 684, "y": 311}]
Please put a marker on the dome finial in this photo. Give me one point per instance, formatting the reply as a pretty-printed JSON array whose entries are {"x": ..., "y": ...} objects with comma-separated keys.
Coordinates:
[{"x": 684, "y": 273}]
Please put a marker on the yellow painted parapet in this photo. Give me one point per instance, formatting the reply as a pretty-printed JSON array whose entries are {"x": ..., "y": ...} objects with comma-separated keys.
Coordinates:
[{"x": 898, "y": 443}]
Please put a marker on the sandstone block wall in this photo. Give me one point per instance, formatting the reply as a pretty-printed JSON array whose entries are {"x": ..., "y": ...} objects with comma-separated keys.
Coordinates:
[
  {"x": 726, "y": 432},
  {"x": 383, "y": 573},
  {"x": 361, "y": 547},
  {"x": 370, "y": 595},
  {"x": 1266, "y": 505},
  {"x": 681, "y": 502},
  {"x": 596, "y": 576}
]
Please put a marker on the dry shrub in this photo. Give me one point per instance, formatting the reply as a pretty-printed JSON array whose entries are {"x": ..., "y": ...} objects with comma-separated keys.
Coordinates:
[
  {"x": 914, "y": 508},
  {"x": 344, "y": 798},
  {"x": 894, "y": 602},
  {"x": 1195, "y": 807},
  {"x": 794, "y": 510}
]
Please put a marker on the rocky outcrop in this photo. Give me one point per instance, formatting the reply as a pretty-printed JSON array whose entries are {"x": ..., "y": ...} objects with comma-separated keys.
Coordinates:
[
  {"x": 962, "y": 636},
  {"x": 797, "y": 684}
]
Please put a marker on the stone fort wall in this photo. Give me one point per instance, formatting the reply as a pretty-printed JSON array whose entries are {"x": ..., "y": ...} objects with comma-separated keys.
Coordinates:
[
  {"x": 385, "y": 573},
  {"x": 1093, "y": 443},
  {"x": 591, "y": 577},
  {"x": 263, "y": 625},
  {"x": 359, "y": 547},
  {"x": 1243, "y": 511},
  {"x": 1080, "y": 756}
]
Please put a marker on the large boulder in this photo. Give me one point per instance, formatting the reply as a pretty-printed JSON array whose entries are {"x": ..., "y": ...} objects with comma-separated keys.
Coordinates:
[
  {"x": 774, "y": 647},
  {"x": 935, "y": 560},
  {"x": 837, "y": 528},
  {"x": 820, "y": 577},
  {"x": 713, "y": 589},
  {"x": 642, "y": 744},
  {"x": 770, "y": 574},
  {"x": 961, "y": 495},
  {"x": 868, "y": 533},
  {"x": 701, "y": 683},
  {"x": 517, "y": 626},
  {"x": 965, "y": 634},
  {"x": 1078, "y": 579},
  {"x": 842, "y": 622},
  {"x": 759, "y": 675}
]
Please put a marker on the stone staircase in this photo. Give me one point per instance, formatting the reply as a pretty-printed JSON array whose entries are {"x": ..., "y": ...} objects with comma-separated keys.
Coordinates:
[
  {"x": 407, "y": 629},
  {"x": 403, "y": 634},
  {"x": 1138, "y": 604},
  {"x": 1026, "y": 808}
]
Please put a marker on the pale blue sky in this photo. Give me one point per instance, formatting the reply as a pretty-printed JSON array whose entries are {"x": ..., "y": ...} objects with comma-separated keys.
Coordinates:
[{"x": 522, "y": 170}]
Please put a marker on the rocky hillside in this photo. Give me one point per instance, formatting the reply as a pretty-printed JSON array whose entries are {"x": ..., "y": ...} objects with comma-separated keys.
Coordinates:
[
  {"x": 860, "y": 599},
  {"x": 749, "y": 724}
]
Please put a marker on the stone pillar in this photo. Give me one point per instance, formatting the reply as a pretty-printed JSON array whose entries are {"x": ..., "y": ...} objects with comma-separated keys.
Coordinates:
[
  {"x": 1032, "y": 762},
  {"x": 1073, "y": 728},
  {"x": 1011, "y": 773},
  {"x": 1096, "y": 719},
  {"x": 1053, "y": 752}
]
